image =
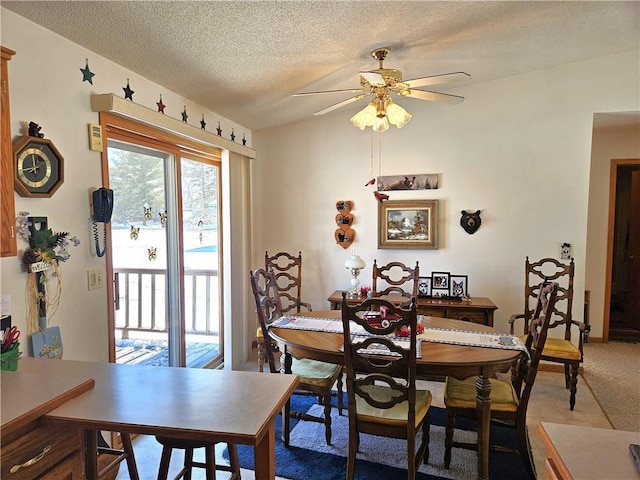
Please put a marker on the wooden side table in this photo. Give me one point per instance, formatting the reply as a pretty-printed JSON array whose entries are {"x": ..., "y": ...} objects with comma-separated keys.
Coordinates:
[{"x": 477, "y": 310}]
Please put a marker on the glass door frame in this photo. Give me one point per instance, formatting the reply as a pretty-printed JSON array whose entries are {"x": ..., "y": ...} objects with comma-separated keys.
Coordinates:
[{"x": 129, "y": 131}]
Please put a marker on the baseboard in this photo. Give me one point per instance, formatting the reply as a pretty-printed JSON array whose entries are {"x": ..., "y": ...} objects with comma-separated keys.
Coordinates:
[
  {"x": 554, "y": 367},
  {"x": 595, "y": 339}
]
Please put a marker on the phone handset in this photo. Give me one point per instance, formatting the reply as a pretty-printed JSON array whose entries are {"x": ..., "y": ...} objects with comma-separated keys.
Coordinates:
[{"x": 101, "y": 202}]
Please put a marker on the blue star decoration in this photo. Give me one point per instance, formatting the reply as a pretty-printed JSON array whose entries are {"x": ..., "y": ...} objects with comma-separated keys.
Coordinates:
[
  {"x": 160, "y": 105},
  {"x": 233, "y": 136},
  {"x": 244, "y": 140},
  {"x": 128, "y": 93},
  {"x": 219, "y": 130},
  {"x": 184, "y": 115},
  {"x": 203, "y": 123},
  {"x": 87, "y": 75}
]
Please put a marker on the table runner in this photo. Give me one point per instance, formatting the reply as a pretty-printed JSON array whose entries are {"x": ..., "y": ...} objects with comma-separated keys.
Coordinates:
[
  {"x": 473, "y": 339},
  {"x": 437, "y": 335}
]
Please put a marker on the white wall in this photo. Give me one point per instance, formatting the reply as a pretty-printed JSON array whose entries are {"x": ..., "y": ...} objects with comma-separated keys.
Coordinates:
[
  {"x": 608, "y": 144},
  {"x": 46, "y": 87},
  {"x": 518, "y": 149}
]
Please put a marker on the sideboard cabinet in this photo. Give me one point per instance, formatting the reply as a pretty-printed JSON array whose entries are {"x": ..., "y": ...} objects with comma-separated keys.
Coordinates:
[
  {"x": 8, "y": 246},
  {"x": 475, "y": 310}
]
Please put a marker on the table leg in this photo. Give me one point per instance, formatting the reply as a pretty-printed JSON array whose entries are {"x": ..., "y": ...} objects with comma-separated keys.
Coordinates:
[
  {"x": 91, "y": 454},
  {"x": 483, "y": 405},
  {"x": 265, "y": 454}
]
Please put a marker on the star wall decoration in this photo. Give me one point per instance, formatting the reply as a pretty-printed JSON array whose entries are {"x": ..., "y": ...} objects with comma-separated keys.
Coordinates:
[
  {"x": 87, "y": 75},
  {"x": 219, "y": 130},
  {"x": 128, "y": 93},
  {"x": 203, "y": 123},
  {"x": 233, "y": 136},
  {"x": 160, "y": 105},
  {"x": 184, "y": 114}
]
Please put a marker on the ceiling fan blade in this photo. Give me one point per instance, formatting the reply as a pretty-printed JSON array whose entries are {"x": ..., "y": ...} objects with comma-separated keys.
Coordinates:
[
  {"x": 348, "y": 90},
  {"x": 373, "y": 78},
  {"x": 436, "y": 79},
  {"x": 340, "y": 104},
  {"x": 436, "y": 97}
]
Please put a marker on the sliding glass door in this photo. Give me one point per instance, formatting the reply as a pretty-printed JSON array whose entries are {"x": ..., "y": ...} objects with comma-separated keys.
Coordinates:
[{"x": 165, "y": 255}]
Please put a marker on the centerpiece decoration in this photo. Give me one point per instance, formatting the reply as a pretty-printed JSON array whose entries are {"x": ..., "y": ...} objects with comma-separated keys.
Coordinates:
[{"x": 42, "y": 260}]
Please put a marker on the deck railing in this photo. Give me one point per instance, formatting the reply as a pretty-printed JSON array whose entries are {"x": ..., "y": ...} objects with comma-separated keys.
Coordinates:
[{"x": 141, "y": 301}]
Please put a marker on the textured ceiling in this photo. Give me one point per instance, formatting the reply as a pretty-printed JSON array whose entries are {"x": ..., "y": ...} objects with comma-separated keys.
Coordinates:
[{"x": 245, "y": 59}]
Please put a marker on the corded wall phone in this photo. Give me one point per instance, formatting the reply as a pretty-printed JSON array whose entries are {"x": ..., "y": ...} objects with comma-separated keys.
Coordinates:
[{"x": 101, "y": 210}]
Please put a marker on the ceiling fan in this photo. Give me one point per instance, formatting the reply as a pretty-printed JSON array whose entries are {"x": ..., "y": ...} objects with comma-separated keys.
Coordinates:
[{"x": 379, "y": 84}]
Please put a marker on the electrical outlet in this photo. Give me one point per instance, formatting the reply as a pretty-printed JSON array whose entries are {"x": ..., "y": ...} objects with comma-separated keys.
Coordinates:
[
  {"x": 94, "y": 279},
  {"x": 566, "y": 251}
]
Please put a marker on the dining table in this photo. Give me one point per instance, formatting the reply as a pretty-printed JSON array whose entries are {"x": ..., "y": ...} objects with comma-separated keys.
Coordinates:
[{"x": 437, "y": 360}]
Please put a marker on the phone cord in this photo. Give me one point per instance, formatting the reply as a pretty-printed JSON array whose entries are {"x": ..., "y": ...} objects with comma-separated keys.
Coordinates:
[{"x": 104, "y": 239}]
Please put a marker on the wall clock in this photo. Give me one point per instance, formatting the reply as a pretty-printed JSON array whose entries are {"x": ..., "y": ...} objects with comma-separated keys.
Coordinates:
[{"x": 38, "y": 167}]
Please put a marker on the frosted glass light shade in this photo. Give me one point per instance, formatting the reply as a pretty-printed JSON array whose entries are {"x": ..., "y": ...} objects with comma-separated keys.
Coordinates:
[
  {"x": 397, "y": 115},
  {"x": 365, "y": 117},
  {"x": 355, "y": 261},
  {"x": 381, "y": 124}
]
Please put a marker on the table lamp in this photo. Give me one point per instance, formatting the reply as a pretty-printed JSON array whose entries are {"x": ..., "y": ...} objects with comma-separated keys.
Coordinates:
[{"x": 355, "y": 264}]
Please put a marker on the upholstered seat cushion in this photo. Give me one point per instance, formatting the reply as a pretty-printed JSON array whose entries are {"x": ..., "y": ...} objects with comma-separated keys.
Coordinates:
[
  {"x": 313, "y": 372},
  {"x": 397, "y": 415},
  {"x": 558, "y": 348},
  {"x": 462, "y": 394}
]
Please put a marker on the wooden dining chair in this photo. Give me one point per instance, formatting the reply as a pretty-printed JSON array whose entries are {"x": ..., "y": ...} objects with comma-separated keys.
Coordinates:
[
  {"x": 509, "y": 399},
  {"x": 288, "y": 274},
  {"x": 210, "y": 466},
  {"x": 556, "y": 350},
  {"x": 396, "y": 275},
  {"x": 381, "y": 379},
  {"x": 316, "y": 378}
]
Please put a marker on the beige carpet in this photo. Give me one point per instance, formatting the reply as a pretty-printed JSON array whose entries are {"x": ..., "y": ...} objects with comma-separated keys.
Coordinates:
[{"x": 612, "y": 371}]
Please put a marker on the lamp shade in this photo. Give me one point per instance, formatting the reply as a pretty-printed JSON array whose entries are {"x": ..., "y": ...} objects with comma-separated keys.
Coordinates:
[
  {"x": 397, "y": 115},
  {"x": 365, "y": 117},
  {"x": 354, "y": 262}
]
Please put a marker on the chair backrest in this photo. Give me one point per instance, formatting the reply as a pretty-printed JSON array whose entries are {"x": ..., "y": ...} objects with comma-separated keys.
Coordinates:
[
  {"x": 375, "y": 359},
  {"x": 544, "y": 271},
  {"x": 536, "y": 338},
  {"x": 396, "y": 275},
  {"x": 268, "y": 307},
  {"x": 288, "y": 275}
]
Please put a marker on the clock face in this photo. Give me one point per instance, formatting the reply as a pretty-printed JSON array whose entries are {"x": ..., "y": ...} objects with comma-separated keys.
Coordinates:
[{"x": 39, "y": 166}]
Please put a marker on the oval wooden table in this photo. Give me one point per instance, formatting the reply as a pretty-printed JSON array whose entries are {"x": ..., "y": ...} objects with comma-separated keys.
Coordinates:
[{"x": 438, "y": 360}]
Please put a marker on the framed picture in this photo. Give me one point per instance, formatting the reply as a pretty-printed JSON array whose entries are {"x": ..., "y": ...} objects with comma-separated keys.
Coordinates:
[
  {"x": 440, "y": 280},
  {"x": 424, "y": 286},
  {"x": 408, "y": 224},
  {"x": 459, "y": 285},
  {"x": 409, "y": 182}
]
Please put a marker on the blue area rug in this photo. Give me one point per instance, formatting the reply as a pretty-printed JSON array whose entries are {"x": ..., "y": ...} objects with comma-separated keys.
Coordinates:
[{"x": 306, "y": 463}]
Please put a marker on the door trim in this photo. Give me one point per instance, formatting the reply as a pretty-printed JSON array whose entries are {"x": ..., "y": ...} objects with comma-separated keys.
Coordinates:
[{"x": 613, "y": 181}]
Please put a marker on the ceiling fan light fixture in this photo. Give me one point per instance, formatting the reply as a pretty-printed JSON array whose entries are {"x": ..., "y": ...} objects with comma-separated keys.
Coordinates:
[
  {"x": 365, "y": 117},
  {"x": 397, "y": 115}
]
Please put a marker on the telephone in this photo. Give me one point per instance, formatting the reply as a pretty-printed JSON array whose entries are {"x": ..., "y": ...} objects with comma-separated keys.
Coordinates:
[
  {"x": 101, "y": 210},
  {"x": 102, "y": 205}
]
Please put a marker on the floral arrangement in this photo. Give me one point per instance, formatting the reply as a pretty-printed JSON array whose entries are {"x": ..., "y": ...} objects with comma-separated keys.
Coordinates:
[{"x": 47, "y": 247}]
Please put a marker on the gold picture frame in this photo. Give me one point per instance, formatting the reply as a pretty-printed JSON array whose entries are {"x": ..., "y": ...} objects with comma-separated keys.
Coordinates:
[{"x": 408, "y": 224}]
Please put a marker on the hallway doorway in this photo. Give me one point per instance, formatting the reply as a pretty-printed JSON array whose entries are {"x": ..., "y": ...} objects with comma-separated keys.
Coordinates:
[{"x": 623, "y": 265}]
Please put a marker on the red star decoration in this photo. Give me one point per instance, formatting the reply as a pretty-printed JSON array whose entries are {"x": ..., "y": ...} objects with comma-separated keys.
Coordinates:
[{"x": 160, "y": 105}]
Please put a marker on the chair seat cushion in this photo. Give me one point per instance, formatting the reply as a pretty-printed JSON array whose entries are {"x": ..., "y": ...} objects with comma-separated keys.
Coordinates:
[
  {"x": 182, "y": 442},
  {"x": 397, "y": 415},
  {"x": 462, "y": 394},
  {"x": 313, "y": 372},
  {"x": 558, "y": 348}
]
